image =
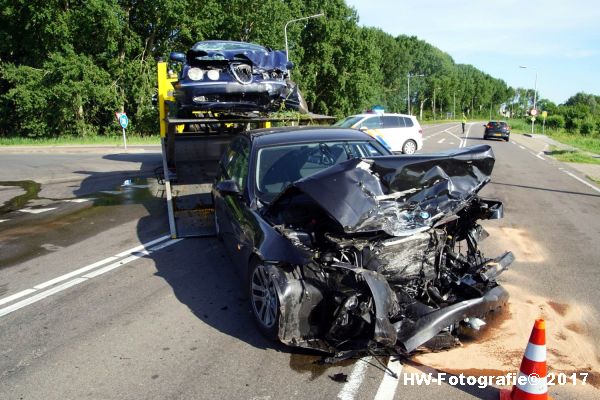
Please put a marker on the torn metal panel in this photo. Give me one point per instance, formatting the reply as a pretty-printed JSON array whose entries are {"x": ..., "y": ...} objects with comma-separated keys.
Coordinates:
[
  {"x": 359, "y": 194},
  {"x": 263, "y": 58}
]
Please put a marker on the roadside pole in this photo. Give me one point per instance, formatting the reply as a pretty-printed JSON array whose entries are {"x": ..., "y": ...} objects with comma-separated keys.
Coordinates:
[
  {"x": 124, "y": 122},
  {"x": 544, "y": 115}
]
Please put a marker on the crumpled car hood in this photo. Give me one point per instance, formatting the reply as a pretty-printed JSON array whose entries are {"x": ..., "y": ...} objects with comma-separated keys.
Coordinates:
[
  {"x": 268, "y": 60},
  {"x": 400, "y": 195}
]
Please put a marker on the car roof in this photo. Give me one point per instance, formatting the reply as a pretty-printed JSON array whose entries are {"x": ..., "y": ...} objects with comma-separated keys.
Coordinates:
[
  {"x": 381, "y": 115},
  {"x": 249, "y": 44},
  {"x": 301, "y": 134}
]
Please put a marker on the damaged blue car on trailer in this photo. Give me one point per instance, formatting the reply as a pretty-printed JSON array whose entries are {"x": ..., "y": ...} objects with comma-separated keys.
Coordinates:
[{"x": 234, "y": 77}]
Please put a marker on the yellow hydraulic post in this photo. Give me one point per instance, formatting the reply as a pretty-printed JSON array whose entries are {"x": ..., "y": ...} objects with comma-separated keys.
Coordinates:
[{"x": 165, "y": 93}]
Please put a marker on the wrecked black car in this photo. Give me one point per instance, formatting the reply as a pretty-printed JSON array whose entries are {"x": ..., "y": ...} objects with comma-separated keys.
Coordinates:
[
  {"x": 236, "y": 77},
  {"x": 346, "y": 248}
]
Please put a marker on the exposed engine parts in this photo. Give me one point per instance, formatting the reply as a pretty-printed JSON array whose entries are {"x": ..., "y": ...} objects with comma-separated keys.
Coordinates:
[{"x": 391, "y": 253}]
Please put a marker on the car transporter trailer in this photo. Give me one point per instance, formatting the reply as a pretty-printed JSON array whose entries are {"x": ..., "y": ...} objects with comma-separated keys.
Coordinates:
[{"x": 191, "y": 150}]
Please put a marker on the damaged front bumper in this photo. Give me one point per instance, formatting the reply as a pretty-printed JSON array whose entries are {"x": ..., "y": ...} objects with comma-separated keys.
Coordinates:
[
  {"x": 299, "y": 298},
  {"x": 429, "y": 325}
]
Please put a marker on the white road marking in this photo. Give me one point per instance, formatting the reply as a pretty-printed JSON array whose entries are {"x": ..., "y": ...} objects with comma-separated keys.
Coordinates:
[
  {"x": 76, "y": 281},
  {"x": 387, "y": 388},
  {"x": 40, "y": 296},
  {"x": 459, "y": 139},
  {"x": 581, "y": 180},
  {"x": 78, "y": 200},
  {"x": 539, "y": 155},
  {"x": 521, "y": 147},
  {"x": 111, "y": 192},
  {"x": 36, "y": 210},
  {"x": 129, "y": 259},
  {"x": 3, "y": 220},
  {"x": 16, "y": 296},
  {"x": 464, "y": 142},
  {"x": 513, "y": 142},
  {"x": 441, "y": 140},
  {"x": 355, "y": 379},
  {"x": 82, "y": 270},
  {"x": 437, "y": 133}
]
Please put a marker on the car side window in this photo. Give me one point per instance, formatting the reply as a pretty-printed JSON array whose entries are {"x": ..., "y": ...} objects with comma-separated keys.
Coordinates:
[
  {"x": 371, "y": 123},
  {"x": 235, "y": 161},
  {"x": 408, "y": 122},
  {"x": 390, "y": 121}
]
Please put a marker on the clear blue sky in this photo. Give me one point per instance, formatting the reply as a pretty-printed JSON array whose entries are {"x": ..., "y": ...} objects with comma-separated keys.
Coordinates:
[{"x": 560, "y": 38}]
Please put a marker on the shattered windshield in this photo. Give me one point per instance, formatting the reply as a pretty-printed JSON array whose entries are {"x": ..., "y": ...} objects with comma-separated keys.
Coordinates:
[{"x": 279, "y": 166}]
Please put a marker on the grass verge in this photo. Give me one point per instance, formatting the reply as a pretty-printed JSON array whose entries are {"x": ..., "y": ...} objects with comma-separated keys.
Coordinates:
[
  {"x": 591, "y": 178},
  {"x": 573, "y": 156},
  {"x": 78, "y": 141}
]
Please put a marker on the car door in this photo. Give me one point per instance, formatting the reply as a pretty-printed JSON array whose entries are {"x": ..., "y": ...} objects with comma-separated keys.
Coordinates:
[
  {"x": 372, "y": 126},
  {"x": 393, "y": 131},
  {"x": 232, "y": 210}
]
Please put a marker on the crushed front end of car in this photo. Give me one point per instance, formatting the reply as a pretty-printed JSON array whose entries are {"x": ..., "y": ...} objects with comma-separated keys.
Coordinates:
[
  {"x": 392, "y": 253},
  {"x": 237, "y": 77}
]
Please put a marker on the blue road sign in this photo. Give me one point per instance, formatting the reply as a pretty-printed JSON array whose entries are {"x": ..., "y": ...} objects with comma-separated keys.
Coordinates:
[{"x": 123, "y": 120}]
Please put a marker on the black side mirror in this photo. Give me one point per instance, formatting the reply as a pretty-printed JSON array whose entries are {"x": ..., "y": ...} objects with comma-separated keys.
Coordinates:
[
  {"x": 289, "y": 65},
  {"x": 228, "y": 187},
  {"x": 177, "y": 57}
]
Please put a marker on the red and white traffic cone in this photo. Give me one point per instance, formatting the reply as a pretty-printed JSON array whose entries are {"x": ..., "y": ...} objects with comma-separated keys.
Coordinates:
[{"x": 531, "y": 380}]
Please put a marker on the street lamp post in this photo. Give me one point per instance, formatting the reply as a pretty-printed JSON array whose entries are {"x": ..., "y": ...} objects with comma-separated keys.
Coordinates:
[
  {"x": 408, "y": 76},
  {"x": 534, "y": 94},
  {"x": 287, "y": 57},
  {"x": 434, "y": 89},
  {"x": 454, "y": 106}
]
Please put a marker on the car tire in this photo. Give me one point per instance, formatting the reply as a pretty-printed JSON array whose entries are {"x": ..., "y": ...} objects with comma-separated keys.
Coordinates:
[
  {"x": 264, "y": 302},
  {"x": 506, "y": 139},
  {"x": 409, "y": 147},
  {"x": 485, "y": 137}
]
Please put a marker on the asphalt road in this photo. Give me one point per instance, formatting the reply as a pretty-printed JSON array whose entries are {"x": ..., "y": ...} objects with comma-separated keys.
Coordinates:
[{"x": 85, "y": 313}]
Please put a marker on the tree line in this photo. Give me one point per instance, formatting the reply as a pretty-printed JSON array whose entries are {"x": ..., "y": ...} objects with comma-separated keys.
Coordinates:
[{"x": 66, "y": 66}]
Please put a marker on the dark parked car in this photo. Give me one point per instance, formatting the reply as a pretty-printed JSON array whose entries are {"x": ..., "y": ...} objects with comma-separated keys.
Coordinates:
[
  {"x": 497, "y": 129},
  {"x": 346, "y": 248},
  {"x": 237, "y": 77}
]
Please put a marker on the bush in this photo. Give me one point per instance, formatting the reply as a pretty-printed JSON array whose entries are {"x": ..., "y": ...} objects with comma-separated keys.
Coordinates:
[
  {"x": 587, "y": 127},
  {"x": 555, "y": 122},
  {"x": 573, "y": 124}
]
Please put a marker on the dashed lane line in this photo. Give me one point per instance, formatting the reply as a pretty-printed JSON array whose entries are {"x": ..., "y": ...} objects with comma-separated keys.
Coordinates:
[
  {"x": 355, "y": 379},
  {"x": 36, "y": 210},
  {"x": 78, "y": 200},
  {"x": 133, "y": 254},
  {"x": 3, "y": 220},
  {"x": 441, "y": 140}
]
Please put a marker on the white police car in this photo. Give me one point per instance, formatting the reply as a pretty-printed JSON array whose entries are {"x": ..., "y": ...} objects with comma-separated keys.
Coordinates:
[{"x": 398, "y": 132}]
